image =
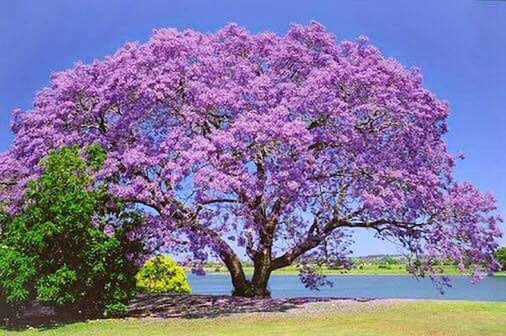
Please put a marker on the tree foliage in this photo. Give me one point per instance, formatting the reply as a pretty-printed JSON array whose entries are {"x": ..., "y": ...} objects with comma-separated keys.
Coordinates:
[
  {"x": 500, "y": 255},
  {"x": 57, "y": 249},
  {"x": 276, "y": 144},
  {"x": 161, "y": 274}
]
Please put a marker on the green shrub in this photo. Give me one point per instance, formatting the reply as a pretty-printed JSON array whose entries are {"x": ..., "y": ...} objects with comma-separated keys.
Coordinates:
[
  {"x": 391, "y": 261},
  {"x": 55, "y": 250},
  {"x": 500, "y": 256},
  {"x": 162, "y": 275},
  {"x": 115, "y": 310},
  {"x": 16, "y": 273}
]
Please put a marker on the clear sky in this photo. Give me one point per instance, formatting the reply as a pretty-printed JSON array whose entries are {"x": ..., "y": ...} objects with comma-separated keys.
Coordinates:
[{"x": 459, "y": 45}]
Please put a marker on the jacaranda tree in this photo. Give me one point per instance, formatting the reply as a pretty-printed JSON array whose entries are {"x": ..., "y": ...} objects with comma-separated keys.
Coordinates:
[{"x": 267, "y": 145}]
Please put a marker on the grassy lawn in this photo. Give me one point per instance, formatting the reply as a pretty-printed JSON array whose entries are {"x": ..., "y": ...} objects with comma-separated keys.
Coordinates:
[
  {"x": 412, "y": 318},
  {"x": 367, "y": 269}
]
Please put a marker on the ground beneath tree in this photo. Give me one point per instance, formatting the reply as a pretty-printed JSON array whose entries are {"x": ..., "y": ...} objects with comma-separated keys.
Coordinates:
[
  {"x": 206, "y": 306},
  {"x": 162, "y": 306}
]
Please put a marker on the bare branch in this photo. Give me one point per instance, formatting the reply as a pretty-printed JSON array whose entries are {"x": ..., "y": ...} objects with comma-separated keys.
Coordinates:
[{"x": 219, "y": 200}]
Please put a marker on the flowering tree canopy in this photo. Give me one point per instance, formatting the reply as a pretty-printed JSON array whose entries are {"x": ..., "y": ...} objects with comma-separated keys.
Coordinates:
[{"x": 276, "y": 144}]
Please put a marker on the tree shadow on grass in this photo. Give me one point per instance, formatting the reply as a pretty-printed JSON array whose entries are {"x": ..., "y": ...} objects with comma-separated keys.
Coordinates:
[
  {"x": 167, "y": 306},
  {"x": 207, "y": 306},
  {"x": 35, "y": 315}
]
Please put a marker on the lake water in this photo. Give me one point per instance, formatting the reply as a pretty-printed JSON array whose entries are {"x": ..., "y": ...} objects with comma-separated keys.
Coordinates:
[{"x": 366, "y": 286}]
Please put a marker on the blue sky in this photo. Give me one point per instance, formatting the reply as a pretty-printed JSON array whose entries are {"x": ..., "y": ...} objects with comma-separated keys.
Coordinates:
[{"x": 459, "y": 45}]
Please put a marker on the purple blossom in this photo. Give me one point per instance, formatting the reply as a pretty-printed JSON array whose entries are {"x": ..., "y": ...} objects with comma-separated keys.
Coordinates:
[{"x": 109, "y": 230}]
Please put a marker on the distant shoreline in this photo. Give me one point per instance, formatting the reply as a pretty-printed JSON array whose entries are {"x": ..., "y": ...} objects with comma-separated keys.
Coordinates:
[
  {"x": 452, "y": 271},
  {"x": 500, "y": 274}
]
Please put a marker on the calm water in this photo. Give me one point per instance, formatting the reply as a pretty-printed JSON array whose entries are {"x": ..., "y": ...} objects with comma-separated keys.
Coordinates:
[{"x": 366, "y": 286}]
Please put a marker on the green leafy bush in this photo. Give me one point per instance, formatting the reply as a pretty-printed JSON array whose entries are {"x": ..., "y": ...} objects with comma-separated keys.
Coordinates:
[
  {"x": 55, "y": 250},
  {"x": 115, "y": 310},
  {"x": 391, "y": 261},
  {"x": 500, "y": 256},
  {"x": 162, "y": 275},
  {"x": 16, "y": 272}
]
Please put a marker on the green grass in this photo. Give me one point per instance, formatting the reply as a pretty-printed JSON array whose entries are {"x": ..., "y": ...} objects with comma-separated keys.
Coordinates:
[
  {"x": 367, "y": 269},
  {"x": 436, "y": 318}
]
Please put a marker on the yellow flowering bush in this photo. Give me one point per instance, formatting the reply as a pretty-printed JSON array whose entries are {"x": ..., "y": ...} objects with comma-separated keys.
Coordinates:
[{"x": 161, "y": 274}]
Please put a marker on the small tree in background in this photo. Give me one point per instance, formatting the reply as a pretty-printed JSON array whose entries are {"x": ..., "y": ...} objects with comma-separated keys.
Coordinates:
[
  {"x": 390, "y": 261},
  {"x": 500, "y": 256},
  {"x": 67, "y": 245},
  {"x": 162, "y": 275}
]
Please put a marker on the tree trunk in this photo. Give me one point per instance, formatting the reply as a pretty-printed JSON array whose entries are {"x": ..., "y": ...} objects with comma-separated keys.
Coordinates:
[
  {"x": 257, "y": 286},
  {"x": 262, "y": 273},
  {"x": 254, "y": 288},
  {"x": 234, "y": 267}
]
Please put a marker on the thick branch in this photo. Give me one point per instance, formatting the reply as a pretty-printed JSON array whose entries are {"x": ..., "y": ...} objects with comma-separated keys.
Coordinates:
[
  {"x": 315, "y": 237},
  {"x": 187, "y": 219},
  {"x": 225, "y": 252}
]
